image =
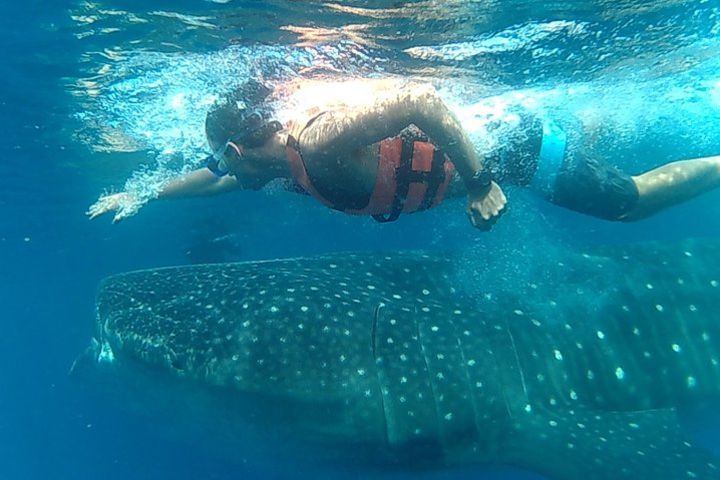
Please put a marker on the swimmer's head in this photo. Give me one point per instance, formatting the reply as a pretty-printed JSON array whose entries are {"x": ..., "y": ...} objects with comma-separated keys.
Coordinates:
[{"x": 242, "y": 117}]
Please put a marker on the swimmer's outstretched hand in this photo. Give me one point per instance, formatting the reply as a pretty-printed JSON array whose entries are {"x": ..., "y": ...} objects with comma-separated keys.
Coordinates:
[
  {"x": 123, "y": 204},
  {"x": 485, "y": 207}
]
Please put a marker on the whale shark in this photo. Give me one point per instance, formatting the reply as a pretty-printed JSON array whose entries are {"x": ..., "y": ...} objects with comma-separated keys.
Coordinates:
[{"x": 396, "y": 359}]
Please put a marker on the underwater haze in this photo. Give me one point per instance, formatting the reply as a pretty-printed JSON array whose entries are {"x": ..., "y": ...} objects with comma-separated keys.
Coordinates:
[{"x": 103, "y": 96}]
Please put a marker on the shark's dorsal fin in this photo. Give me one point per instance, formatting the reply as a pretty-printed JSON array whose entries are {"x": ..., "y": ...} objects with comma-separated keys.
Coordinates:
[{"x": 593, "y": 445}]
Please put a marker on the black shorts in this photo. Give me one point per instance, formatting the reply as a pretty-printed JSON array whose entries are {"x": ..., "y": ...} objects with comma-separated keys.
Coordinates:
[
  {"x": 591, "y": 186},
  {"x": 578, "y": 182}
]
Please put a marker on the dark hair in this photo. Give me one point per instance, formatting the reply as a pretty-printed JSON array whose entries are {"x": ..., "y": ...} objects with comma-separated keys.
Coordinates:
[{"x": 241, "y": 116}]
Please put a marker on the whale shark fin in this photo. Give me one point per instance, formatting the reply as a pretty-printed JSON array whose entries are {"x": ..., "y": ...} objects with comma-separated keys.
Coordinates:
[{"x": 593, "y": 445}]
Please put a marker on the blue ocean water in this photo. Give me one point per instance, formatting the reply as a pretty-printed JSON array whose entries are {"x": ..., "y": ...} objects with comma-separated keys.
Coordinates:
[{"x": 95, "y": 93}]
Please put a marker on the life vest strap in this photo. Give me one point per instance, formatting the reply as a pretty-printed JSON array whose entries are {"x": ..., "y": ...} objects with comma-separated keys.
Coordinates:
[
  {"x": 422, "y": 179},
  {"x": 385, "y": 190},
  {"x": 299, "y": 172}
]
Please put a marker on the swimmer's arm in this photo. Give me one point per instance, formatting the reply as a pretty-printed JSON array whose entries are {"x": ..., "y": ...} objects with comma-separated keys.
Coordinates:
[
  {"x": 386, "y": 117},
  {"x": 197, "y": 183}
]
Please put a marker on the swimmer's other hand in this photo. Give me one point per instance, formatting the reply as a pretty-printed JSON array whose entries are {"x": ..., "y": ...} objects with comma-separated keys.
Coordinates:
[
  {"x": 123, "y": 204},
  {"x": 485, "y": 207}
]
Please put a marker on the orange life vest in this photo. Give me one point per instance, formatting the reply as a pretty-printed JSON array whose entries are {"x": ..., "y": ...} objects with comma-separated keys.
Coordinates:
[{"x": 412, "y": 175}]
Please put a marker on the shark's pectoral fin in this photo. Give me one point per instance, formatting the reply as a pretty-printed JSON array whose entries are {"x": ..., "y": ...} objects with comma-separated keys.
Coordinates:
[{"x": 590, "y": 445}]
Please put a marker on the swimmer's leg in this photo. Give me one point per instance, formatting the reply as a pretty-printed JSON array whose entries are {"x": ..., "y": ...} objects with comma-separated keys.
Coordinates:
[{"x": 672, "y": 184}]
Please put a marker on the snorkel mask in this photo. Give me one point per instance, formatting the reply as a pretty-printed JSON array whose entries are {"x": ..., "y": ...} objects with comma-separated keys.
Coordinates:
[{"x": 219, "y": 161}]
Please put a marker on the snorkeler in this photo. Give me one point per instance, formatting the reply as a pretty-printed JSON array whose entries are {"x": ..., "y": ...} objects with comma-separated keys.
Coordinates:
[{"x": 383, "y": 148}]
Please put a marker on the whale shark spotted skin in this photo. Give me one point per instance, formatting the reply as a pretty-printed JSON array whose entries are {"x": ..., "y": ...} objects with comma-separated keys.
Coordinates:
[{"x": 578, "y": 375}]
